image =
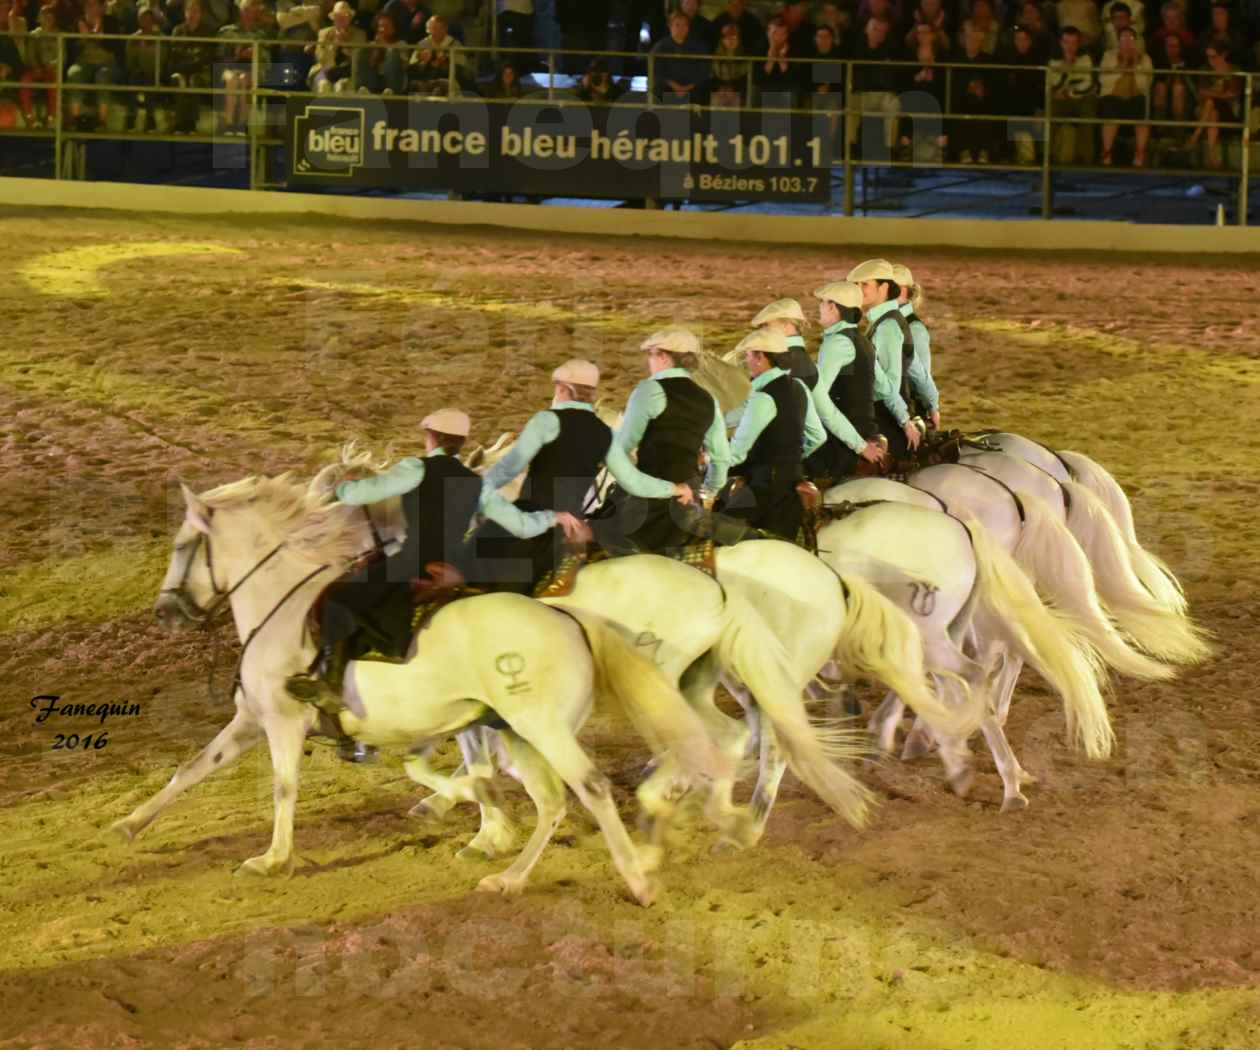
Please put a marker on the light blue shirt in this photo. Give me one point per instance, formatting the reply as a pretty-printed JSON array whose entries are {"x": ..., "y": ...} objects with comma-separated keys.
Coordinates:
[
  {"x": 401, "y": 478},
  {"x": 887, "y": 343},
  {"x": 542, "y": 429},
  {"x": 921, "y": 381},
  {"x": 760, "y": 410},
  {"x": 835, "y": 353},
  {"x": 648, "y": 401}
]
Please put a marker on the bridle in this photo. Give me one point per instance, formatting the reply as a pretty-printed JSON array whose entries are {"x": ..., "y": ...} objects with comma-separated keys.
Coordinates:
[{"x": 187, "y": 605}]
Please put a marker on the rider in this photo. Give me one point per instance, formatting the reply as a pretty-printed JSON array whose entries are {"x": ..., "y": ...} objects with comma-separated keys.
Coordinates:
[
  {"x": 562, "y": 447},
  {"x": 924, "y": 399},
  {"x": 888, "y": 332},
  {"x": 844, "y": 393},
  {"x": 786, "y": 316},
  {"x": 668, "y": 418},
  {"x": 439, "y": 498},
  {"x": 778, "y": 428}
]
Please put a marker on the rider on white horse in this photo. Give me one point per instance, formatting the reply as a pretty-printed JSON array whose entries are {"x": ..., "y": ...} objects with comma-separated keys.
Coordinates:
[
  {"x": 668, "y": 419},
  {"x": 778, "y": 428},
  {"x": 843, "y": 394},
  {"x": 888, "y": 332},
  {"x": 785, "y": 316},
  {"x": 924, "y": 400},
  {"x": 562, "y": 448}
]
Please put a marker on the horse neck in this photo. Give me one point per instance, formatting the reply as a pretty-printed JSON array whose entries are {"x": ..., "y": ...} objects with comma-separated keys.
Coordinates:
[{"x": 258, "y": 599}]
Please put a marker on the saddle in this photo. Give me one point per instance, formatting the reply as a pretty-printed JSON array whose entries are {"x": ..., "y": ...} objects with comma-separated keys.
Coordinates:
[{"x": 937, "y": 446}]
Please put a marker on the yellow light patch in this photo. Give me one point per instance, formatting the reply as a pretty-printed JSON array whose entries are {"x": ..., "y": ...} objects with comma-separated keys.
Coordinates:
[{"x": 75, "y": 272}]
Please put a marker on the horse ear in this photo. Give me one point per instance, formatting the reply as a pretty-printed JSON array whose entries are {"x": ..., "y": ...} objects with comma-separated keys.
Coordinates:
[{"x": 197, "y": 513}]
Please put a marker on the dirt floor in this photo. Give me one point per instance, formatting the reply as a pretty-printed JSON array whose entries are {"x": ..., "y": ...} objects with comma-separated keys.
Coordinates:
[{"x": 1119, "y": 911}]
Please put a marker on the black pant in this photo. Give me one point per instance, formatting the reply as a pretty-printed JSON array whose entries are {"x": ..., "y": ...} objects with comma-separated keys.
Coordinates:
[
  {"x": 626, "y": 523},
  {"x": 371, "y": 603},
  {"x": 767, "y": 500},
  {"x": 834, "y": 460},
  {"x": 509, "y": 563},
  {"x": 898, "y": 446}
]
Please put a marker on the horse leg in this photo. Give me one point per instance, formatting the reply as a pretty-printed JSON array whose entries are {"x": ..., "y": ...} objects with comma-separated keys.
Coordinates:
[
  {"x": 497, "y": 834},
  {"x": 232, "y": 741},
  {"x": 546, "y": 790},
  {"x": 769, "y": 776},
  {"x": 285, "y": 734}
]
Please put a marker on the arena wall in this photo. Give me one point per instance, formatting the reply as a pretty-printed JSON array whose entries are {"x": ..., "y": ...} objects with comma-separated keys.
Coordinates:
[{"x": 613, "y": 222}]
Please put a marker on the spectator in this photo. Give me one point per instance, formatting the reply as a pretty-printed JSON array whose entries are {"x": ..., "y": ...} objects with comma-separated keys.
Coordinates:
[
  {"x": 382, "y": 67},
  {"x": 827, "y": 77},
  {"x": 838, "y": 17},
  {"x": 96, "y": 62},
  {"x": 678, "y": 75},
  {"x": 982, "y": 19},
  {"x": 1032, "y": 21},
  {"x": 701, "y": 31},
  {"x": 1120, "y": 18},
  {"x": 780, "y": 80},
  {"x": 506, "y": 85},
  {"x": 1219, "y": 102},
  {"x": 217, "y": 13},
  {"x": 1137, "y": 16},
  {"x": 238, "y": 57},
  {"x": 1083, "y": 15},
  {"x": 41, "y": 68},
  {"x": 1175, "y": 95},
  {"x": 434, "y": 59},
  {"x": 929, "y": 139},
  {"x": 752, "y": 37},
  {"x": 190, "y": 65},
  {"x": 599, "y": 87},
  {"x": 800, "y": 27},
  {"x": 1074, "y": 93},
  {"x": 1024, "y": 90},
  {"x": 142, "y": 69},
  {"x": 334, "y": 52},
  {"x": 124, "y": 13},
  {"x": 729, "y": 69},
  {"x": 12, "y": 46},
  {"x": 1225, "y": 37},
  {"x": 972, "y": 95},
  {"x": 880, "y": 9},
  {"x": 929, "y": 13},
  {"x": 876, "y": 83},
  {"x": 1173, "y": 23},
  {"x": 1124, "y": 87},
  {"x": 409, "y": 19}
]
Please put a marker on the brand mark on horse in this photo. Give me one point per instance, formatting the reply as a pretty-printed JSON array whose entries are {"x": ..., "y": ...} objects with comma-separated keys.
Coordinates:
[{"x": 512, "y": 666}]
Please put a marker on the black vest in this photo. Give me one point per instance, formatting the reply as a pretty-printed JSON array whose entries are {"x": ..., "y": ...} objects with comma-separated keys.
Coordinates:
[
  {"x": 800, "y": 364},
  {"x": 780, "y": 444},
  {"x": 907, "y": 347},
  {"x": 853, "y": 391},
  {"x": 563, "y": 470},
  {"x": 438, "y": 512},
  {"x": 671, "y": 444}
]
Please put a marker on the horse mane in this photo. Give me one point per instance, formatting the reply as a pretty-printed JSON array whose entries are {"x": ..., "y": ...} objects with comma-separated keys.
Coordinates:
[{"x": 725, "y": 380}]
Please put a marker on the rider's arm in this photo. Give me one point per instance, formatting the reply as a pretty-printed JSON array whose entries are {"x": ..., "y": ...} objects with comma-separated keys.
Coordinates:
[
  {"x": 632, "y": 479},
  {"x": 719, "y": 450},
  {"x": 541, "y": 430},
  {"x": 833, "y": 356},
  {"x": 520, "y": 523},
  {"x": 920, "y": 371},
  {"x": 888, "y": 372},
  {"x": 403, "y": 476},
  {"x": 758, "y": 415},
  {"x": 646, "y": 403},
  {"x": 815, "y": 436}
]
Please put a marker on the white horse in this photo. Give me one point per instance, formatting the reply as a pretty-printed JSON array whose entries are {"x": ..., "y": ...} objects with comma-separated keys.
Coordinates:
[{"x": 266, "y": 546}]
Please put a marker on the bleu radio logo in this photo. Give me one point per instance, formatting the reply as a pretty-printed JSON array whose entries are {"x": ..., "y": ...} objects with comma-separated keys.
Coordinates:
[{"x": 328, "y": 140}]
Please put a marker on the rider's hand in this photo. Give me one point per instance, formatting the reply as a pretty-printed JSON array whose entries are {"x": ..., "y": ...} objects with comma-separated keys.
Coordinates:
[
  {"x": 873, "y": 453},
  {"x": 683, "y": 493},
  {"x": 912, "y": 434},
  {"x": 575, "y": 529},
  {"x": 936, "y": 420}
]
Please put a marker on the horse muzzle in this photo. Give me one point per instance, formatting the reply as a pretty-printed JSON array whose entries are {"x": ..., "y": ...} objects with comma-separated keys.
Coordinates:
[{"x": 175, "y": 611}]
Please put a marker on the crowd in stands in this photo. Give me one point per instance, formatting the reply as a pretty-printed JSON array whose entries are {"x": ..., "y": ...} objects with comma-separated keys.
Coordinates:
[{"x": 978, "y": 62}]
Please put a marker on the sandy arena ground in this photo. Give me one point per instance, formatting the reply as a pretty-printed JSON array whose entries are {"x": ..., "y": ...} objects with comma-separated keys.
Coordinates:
[{"x": 1119, "y": 911}]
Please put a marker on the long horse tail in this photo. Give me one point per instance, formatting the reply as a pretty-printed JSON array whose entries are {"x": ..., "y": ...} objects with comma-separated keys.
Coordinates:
[
  {"x": 1045, "y": 639},
  {"x": 1155, "y": 575},
  {"x": 1059, "y": 569},
  {"x": 878, "y": 640},
  {"x": 749, "y": 650},
  {"x": 652, "y": 703},
  {"x": 1162, "y": 633}
]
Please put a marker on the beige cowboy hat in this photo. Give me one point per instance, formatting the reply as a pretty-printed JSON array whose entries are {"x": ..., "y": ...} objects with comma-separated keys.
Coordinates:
[
  {"x": 902, "y": 275},
  {"x": 447, "y": 421},
  {"x": 780, "y": 310},
  {"x": 577, "y": 372},
  {"x": 763, "y": 341},
  {"x": 872, "y": 270},
  {"x": 673, "y": 340},
  {"x": 842, "y": 293}
]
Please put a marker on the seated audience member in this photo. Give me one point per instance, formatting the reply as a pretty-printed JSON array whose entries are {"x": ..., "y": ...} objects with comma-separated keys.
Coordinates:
[
  {"x": 780, "y": 81},
  {"x": 1074, "y": 93},
  {"x": 238, "y": 57},
  {"x": 982, "y": 19},
  {"x": 929, "y": 13},
  {"x": 752, "y": 36},
  {"x": 143, "y": 69},
  {"x": 506, "y": 83},
  {"x": 434, "y": 59},
  {"x": 1137, "y": 16},
  {"x": 1120, "y": 18},
  {"x": 382, "y": 68},
  {"x": 800, "y": 27},
  {"x": 12, "y": 45},
  {"x": 1083, "y": 15},
  {"x": 1223, "y": 35},
  {"x": 1024, "y": 91},
  {"x": 1220, "y": 101},
  {"x": 928, "y": 137},
  {"x": 876, "y": 83},
  {"x": 729, "y": 70},
  {"x": 335, "y": 57},
  {"x": 94, "y": 62},
  {"x": 700, "y": 30},
  {"x": 409, "y": 18},
  {"x": 41, "y": 68},
  {"x": 826, "y": 74},
  {"x": 1174, "y": 95},
  {"x": 599, "y": 87},
  {"x": 838, "y": 17},
  {"x": 191, "y": 65},
  {"x": 1124, "y": 79},
  {"x": 972, "y": 93},
  {"x": 679, "y": 76},
  {"x": 1173, "y": 23}
]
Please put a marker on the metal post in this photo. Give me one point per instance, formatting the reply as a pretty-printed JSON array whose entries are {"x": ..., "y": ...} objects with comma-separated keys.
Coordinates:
[
  {"x": 494, "y": 32},
  {"x": 1047, "y": 177},
  {"x": 58, "y": 144},
  {"x": 251, "y": 130},
  {"x": 848, "y": 145},
  {"x": 1246, "y": 153},
  {"x": 551, "y": 75},
  {"x": 450, "y": 71},
  {"x": 651, "y": 91}
]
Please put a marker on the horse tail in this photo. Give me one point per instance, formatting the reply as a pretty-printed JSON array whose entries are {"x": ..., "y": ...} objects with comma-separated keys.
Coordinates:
[
  {"x": 1059, "y": 569},
  {"x": 652, "y": 703},
  {"x": 755, "y": 656},
  {"x": 1161, "y": 632},
  {"x": 878, "y": 640},
  {"x": 1155, "y": 575},
  {"x": 1045, "y": 639}
]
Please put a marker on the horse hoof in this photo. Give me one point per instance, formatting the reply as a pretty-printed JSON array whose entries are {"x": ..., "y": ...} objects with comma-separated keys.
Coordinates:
[
  {"x": 122, "y": 830},
  {"x": 962, "y": 783},
  {"x": 432, "y": 808},
  {"x": 646, "y": 893},
  {"x": 265, "y": 866},
  {"x": 475, "y": 852},
  {"x": 509, "y": 887},
  {"x": 1014, "y": 803},
  {"x": 917, "y": 745}
]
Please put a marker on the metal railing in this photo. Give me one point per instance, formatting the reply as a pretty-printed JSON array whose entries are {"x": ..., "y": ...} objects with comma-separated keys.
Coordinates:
[{"x": 458, "y": 85}]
